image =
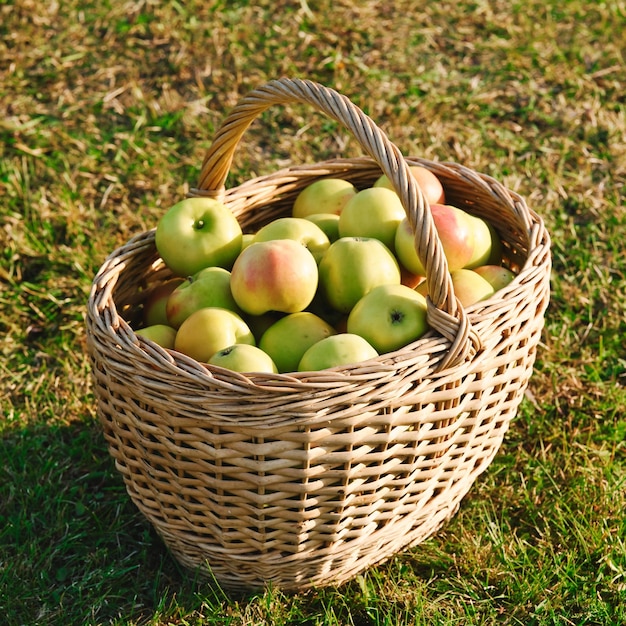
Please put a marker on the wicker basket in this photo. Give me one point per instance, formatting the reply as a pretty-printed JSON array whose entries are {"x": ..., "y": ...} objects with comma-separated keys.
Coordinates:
[{"x": 307, "y": 479}]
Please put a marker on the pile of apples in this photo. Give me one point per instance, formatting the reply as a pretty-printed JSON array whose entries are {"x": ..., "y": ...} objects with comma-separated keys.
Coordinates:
[{"x": 336, "y": 282}]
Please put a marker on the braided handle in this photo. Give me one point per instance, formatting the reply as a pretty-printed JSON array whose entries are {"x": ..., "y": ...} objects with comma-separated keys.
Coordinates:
[{"x": 445, "y": 313}]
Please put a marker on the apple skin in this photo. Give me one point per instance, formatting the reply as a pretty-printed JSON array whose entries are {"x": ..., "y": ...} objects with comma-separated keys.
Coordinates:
[
  {"x": 327, "y": 195},
  {"x": 496, "y": 275},
  {"x": 372, "y": 212},
  {"x": 328, "y": 222},
  {"x": 161, "y": 334},
  {"x": 389, "y": 317},
  {"x": 206, "y": 331},
  {"x": 310, "y": 235},
  {"x": 244, "y": 358},
  {"x": 197, "y": 233},
  {"x": 470, "y": 287},
  {"x": 154, "y": 307},
  {"x": 455, "y": 232},
  {"x": 278, "y": 275},
  {"x": 208, "y": 287},
  {"x": 428, "y": 182},
  {"x": 485, "y": 243},
  {"x": 351, "y": 267},
  {"x": 336, "y": 350},
  {"x": 291, "y": 336},
  {"x": 246, "y": 240}
]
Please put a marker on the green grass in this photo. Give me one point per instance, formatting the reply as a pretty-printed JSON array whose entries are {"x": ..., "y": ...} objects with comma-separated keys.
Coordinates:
[{"x": 106, "y": 111}]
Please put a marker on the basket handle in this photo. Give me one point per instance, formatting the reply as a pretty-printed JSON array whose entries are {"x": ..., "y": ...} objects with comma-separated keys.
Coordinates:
[{"x": 445, "y": 313}]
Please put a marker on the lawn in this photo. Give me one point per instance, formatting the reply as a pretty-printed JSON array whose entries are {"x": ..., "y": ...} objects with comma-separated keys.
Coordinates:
[{"x": 107, "y": 109}]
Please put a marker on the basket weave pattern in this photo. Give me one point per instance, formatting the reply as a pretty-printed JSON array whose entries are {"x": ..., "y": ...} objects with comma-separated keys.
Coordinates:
[{"x": 307, "y": 479}]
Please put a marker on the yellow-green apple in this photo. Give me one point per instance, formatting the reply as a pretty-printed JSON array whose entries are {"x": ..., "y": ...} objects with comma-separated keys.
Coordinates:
[
  {"x": 208, "y": 287},
  {"x": 310, "y": 235},
  {"x": 389, "y": 317},
  {"x": 246, "y": 240},
  {"x": 258, "y": 324},
  {"x": 336, "y": 350},
  {"x": 278, "y": 275},
  {"x": 496, "y": 275},
  {"x": 487, "y": 246},
  {"x": 291, "y": 336},
  {"x": 196, "y": 233},
  {"x": 429, "y": 184},
  {"x": 161, "y": 334},
  {"x": 326, "y": 195},
  {"x": 328, "y": 222},
  {"x": 455, "y": 233},
  {"x": 206, "y": 331},
  {"x": 155, "y": 303},
  {"x": 244, "y": 358},
  {"x": 470, "y": 287},
  {"x": 351, "y": 267},
  {"x": 372, "y": 212}
]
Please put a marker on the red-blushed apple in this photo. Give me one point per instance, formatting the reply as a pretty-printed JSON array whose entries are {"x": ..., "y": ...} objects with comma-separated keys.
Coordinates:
[
  {"x": 208, "y": 287},
  {"x": 483, "y": 242},
  {"x": 244, "y": 358},
  {"x": 351, "y": 267},
  {"x": 470, "y": 287},
  {"x": 291, "y": 336},
  {"x": 389, "y": 317},
  {"x": 196, "y": 233},
  {"x": 305, "y": 232},
  {"x": 278, "y": 275},
  {"x": 161, "y": 334},
  {"x": 206, "y": 331},
  {"x": 428, "y": 182},
  {"x": 328, "y": 222},
  {"x": 373, "y": 212},
  {"x": 156, "y": 302},
  {"x": 336, "y": 350},
  {"x": 496, "y": 275},
  {"x": 455, "y": 233},
  {"x": 326, "y": 195}
]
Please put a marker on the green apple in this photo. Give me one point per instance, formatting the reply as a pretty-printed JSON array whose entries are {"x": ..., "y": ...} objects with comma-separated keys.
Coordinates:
[
  {"x": 336, "y": 350},
  {"x": 428, "y": 182},
  {"x": 161, "y": 334},
  {"x": 206, "y": 331},
  {"x": 208, "y": 287},
  {"x": 244, "y": 358},
  {"x": 328, "y": 222},
  {"x": 373, "y": 212},
  {"x": 487, "y": 244},
  {"x": 299, "y": 229},
  {"x": 470, "y": 287},
  {"x": 258, "y": 324},
  {"x": 389, "y": 317},
  {"x": 197, "y": 233},
  {"x": 290, "y": 337},
  {"x": 456, "y": 234},
  {"x": 351, "y": 267},
  {"x": 246, "y": 240},
  {"x": 278, "y": 275},
  {"x": 496, "y": 275},
  {"x": 326, "y": 195},
  {"x": 156, "y": 302}
]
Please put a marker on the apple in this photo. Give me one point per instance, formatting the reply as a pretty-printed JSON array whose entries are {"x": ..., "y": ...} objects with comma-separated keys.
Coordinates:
[
  {"x": 455, "y": 232},
  {"x": 290, "y": 337},
  {"x": 196, "y": 233},
  {"x": 389, "y": 317},
  {"x": 299, "y": 229},
  {"x": 496, "y": 275},
  {"x": 155, "y": 303},
  {"x": 372, "y": 212},
  {"x": 410, "y": 279},
  {"x": 208, "y": 287},
  {"x": 328, "y": 222},
  {"x": 470, "y": 287},
  {"x": 326, "y": 195},
  {"x": 206, "y": 331},
  {"x": 429, "y": 184},
  {"x": 246, "y": 240},
  {"x": 351, "y": 267},
  {"x": 336, "y": 350},
  {"x": 486, "y": 243},
  {"x": 278, "y": 275},
  {"x": 245, "y": 358},
  {"x": 258, "y": 324},
  {"x": 161, "y": 334}
]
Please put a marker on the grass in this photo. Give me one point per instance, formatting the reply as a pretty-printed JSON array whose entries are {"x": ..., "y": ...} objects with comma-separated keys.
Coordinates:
[{"x": 107, "y": 109}]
